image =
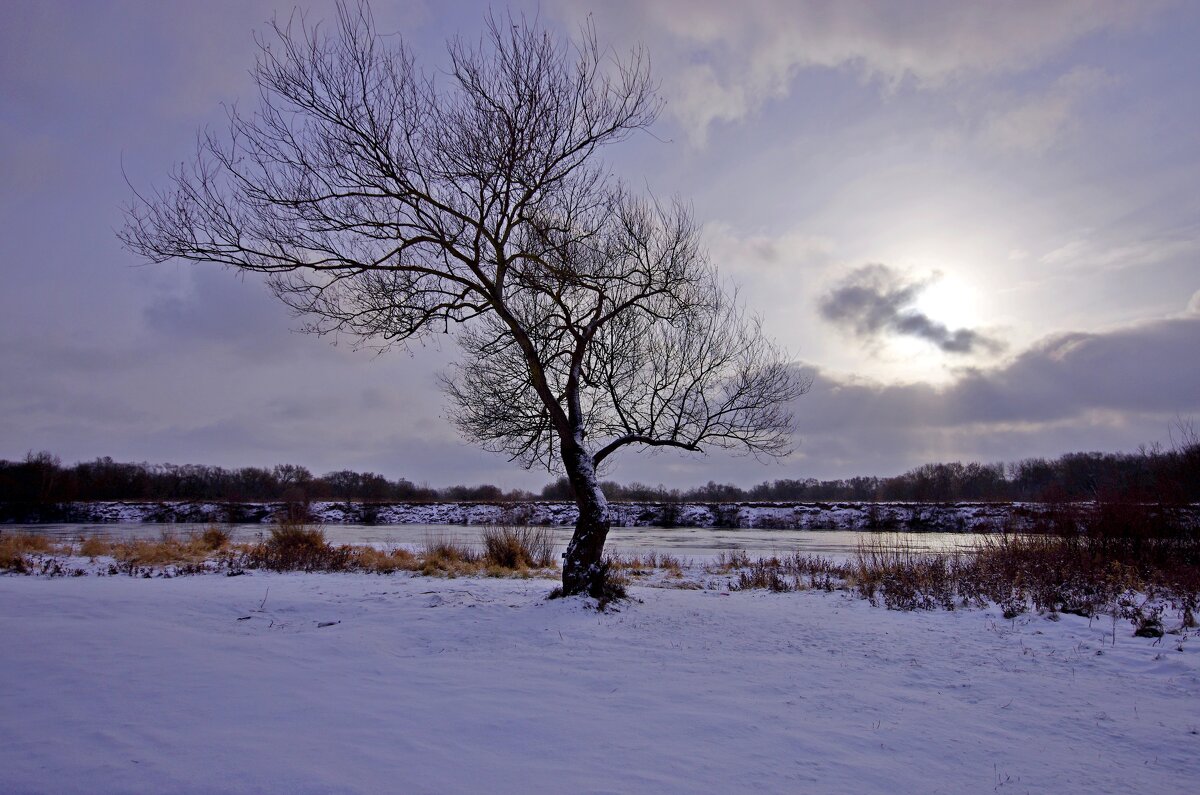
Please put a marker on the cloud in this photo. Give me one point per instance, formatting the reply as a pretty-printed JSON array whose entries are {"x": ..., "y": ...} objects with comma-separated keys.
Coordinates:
[
  {"x": 725, "y": 60},
  {"x": 874, "y": 300},
  {"x": 1078, "y": 391},
  {"x": 751, "y": 253},
  {"x": 1035, "y": 124},
  {"x": 1094, "y": 251}
]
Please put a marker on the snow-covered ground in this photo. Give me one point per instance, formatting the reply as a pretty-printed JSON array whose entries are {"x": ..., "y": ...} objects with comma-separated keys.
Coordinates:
[{"x": 363, "y": 683}]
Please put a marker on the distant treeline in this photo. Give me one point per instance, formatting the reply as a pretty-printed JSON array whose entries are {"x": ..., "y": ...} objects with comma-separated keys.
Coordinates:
[
  {"x": 1154, "y": 477},
  {"x": 1149, "y": 475},
  {"x": 41, "y": 478}
]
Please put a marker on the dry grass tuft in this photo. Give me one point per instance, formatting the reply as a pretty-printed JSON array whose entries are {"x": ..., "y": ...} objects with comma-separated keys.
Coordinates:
[
  {"x": 297, "y": 535},
  {"x": 887, "y": 568},
  {"x": 384, "y": 561},
  {"x": 1106, "y": 562},
  {"x": 449, "y": 558},
  {"x": 24, "y": 542},
  {"x": 609, "y": 587},
  {"x": 729, "y": 561},
  {"x": 14, "y": 547},
  {"x": 293, "y": 545},
  {"x": 795, "y": 572},
  {"x": 767, "y": 574},
  {"x": 215, "y": 537},
  {"x": 297, "y": 546},
  {"x": 95, "y": 546},
  {"x": 1088, "y": 572},
  {"x": 638, "y": 565},
  {"x": 167, "y": 550},
  {"x": 518, "y": 548}
]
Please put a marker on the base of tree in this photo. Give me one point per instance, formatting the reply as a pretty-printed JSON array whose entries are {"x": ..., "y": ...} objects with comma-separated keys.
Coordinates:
[{"x": 605, "y": 586}]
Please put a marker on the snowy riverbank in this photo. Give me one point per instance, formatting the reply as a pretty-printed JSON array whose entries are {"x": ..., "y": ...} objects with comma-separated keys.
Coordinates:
[
  {"x": 940, "y": 517},
  {"x": 363, "y": 683}
]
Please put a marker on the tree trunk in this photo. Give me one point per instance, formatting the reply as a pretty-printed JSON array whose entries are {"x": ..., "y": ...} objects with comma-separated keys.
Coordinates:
[{"x": 581, "y": 568}]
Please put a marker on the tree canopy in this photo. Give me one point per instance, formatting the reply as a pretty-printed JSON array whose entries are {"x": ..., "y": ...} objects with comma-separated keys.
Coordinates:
[{"x": 387, "y": 205}]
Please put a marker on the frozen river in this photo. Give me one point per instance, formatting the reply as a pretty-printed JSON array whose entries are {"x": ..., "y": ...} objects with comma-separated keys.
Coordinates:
[{"x": 683, "y": 542}]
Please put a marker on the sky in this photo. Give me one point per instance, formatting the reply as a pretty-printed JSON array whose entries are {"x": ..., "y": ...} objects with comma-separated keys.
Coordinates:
[{"x": 976, "y": 225}]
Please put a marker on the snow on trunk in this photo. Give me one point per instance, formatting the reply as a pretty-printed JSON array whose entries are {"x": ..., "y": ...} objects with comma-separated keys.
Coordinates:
[{"x": 581, "y": 564}]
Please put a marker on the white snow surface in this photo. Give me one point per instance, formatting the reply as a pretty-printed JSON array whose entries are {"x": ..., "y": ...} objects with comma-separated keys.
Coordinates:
[{"x": 427, "y": 685}]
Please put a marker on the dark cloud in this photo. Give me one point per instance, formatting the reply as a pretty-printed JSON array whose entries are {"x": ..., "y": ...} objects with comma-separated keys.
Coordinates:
[
  {"x": 1103, "y": 391},
  {"x": 874, "y": 300}
]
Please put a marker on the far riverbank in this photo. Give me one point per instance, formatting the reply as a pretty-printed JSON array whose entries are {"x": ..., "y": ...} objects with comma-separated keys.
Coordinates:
[{"x": 969, "y": 517}]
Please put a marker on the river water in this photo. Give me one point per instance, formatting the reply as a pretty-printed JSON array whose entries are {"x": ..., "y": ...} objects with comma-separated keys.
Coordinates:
[{"x": 696, "y": 543}]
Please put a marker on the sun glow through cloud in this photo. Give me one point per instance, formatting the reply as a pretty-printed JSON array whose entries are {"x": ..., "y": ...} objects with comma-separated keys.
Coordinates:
[
  {"x": 948, "y": 298},
  {"x": 952, "y": 301}
]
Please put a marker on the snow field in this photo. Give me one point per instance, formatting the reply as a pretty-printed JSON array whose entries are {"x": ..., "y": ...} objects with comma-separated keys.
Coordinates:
[{"x": 115, "y": 684}]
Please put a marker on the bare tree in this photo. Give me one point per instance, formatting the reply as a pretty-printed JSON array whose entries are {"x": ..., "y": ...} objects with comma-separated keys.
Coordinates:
[{"x": 386, "y": 206}]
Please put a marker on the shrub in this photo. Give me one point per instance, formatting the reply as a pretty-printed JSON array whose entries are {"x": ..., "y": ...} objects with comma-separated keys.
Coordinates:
[
  {"x": 905, "y": 579},
  {"x": 1083, "y": 562},
  {"x": 295, "y": 546},
  {"x": 764, "y": 573}
]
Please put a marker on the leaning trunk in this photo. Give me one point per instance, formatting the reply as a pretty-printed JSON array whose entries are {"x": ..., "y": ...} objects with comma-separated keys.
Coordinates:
[{"x": 582, "y": 571}]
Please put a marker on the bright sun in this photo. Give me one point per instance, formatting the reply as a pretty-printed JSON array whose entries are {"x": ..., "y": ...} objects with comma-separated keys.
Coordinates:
[{"x": 950, "y": 301}]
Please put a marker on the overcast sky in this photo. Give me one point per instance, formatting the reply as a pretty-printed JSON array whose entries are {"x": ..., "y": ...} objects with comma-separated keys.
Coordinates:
[{"x": 978, "y": 224}]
